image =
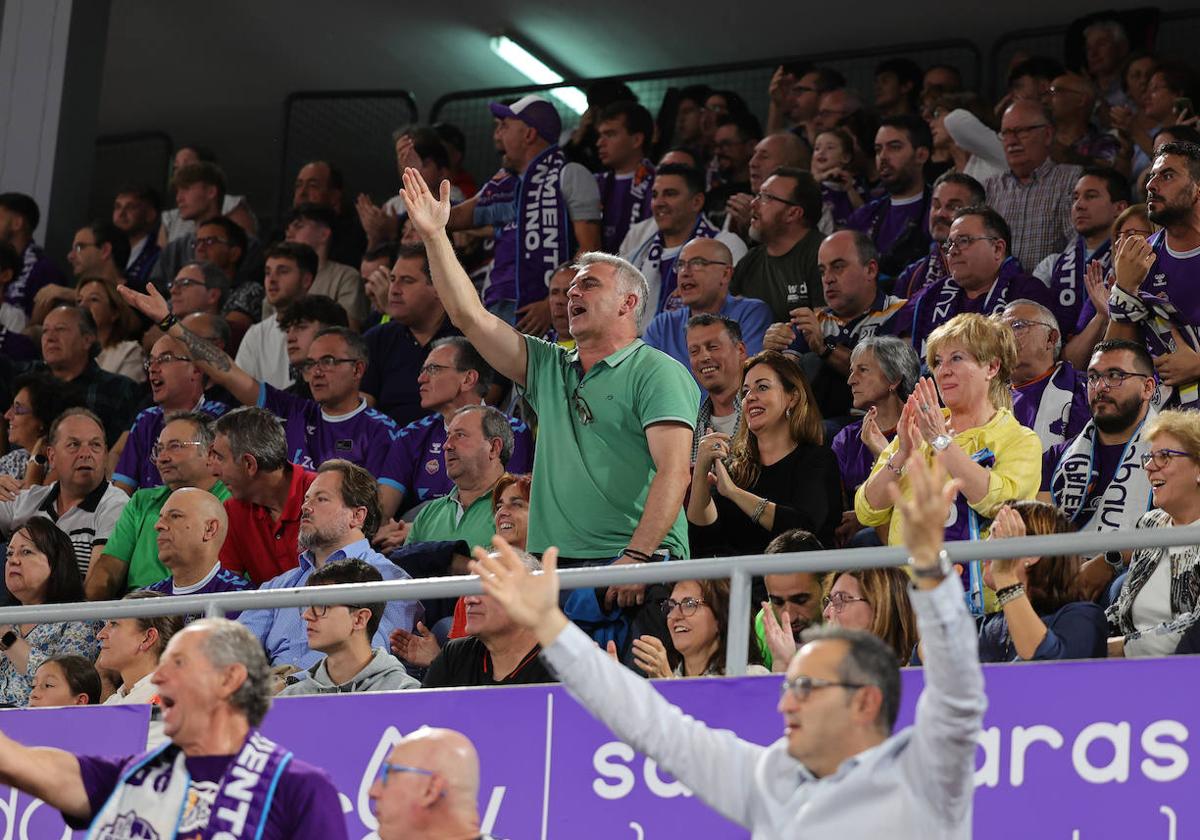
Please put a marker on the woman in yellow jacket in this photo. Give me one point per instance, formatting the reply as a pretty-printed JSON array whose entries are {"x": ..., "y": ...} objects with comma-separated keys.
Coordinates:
[{"x": 995, "y": 458}]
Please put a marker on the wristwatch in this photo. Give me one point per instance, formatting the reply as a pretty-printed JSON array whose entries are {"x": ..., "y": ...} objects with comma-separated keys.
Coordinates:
[
  {"x": 1115, "y": 561},
  {"x": 941, "y": 443},
  {"x": 830, "y": 344},
  {"x": 942, "y": 569},
  {"x": 8, "y": 640}
]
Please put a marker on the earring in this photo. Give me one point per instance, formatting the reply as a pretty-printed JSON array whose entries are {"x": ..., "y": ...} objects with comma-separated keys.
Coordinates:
[{"x": 788, "y": 414}]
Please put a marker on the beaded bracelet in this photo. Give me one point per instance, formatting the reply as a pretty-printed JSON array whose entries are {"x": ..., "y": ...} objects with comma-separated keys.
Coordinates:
[{"x": 1009, "y": 594}]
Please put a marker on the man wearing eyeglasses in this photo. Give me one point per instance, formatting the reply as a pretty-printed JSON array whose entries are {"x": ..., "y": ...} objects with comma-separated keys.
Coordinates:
[
  {"x": 984, "y": 277},
  {"x": 704, "y": 269},
  {"x": 429, "y": 788},
  {"x": 1049, "y": 395},
  {"x": 133, "y": 556},
  {"x": 952, "y": 191},
  {"x": 837, "y": 770},
  {"x": 176, "y": 385},
  {"x": 1096, "y": 478},
  {"x": 1034, "y": 195}
]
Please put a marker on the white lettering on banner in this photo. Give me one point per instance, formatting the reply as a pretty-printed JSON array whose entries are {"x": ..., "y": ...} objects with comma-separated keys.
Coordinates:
[
  {"x": 28, "y": 815},
  {"x": 659, "y": 787},
  {"x": 610, "y": 761},
  {"x": 1162, "y": 742},
  {"x": 19, "y": 828},
  {"x": 391, "y": 736},
  {"x": 1165, "y": 810}
]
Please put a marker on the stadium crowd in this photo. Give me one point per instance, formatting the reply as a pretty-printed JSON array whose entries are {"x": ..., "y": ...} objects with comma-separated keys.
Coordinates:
[{"x": 649, "y": 338}]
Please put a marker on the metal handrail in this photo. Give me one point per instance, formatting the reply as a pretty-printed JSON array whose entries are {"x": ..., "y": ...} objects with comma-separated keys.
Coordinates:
[{"x": 739, "y": 570}]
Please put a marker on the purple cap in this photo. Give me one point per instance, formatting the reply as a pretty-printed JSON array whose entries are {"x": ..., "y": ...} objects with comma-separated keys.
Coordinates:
[{"x": 535, "y": 112}]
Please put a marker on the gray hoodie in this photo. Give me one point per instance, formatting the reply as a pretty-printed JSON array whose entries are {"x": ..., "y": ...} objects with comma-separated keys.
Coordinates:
[{"x": 383, "y": 673}]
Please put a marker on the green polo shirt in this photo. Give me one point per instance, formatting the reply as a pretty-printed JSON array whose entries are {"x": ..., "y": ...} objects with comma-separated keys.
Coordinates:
[
  {"x": 592, "y": 467},
  {"x": 444, "y": 519},
  {"x": 134, "y": 540}
]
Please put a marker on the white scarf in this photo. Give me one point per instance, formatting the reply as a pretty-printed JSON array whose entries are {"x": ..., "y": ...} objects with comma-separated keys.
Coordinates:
[
  {"x": 1127, "y": 495},
  {"x": 1054, "y": 407}
]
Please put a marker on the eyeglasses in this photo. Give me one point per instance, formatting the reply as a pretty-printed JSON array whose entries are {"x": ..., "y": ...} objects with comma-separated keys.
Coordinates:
[
  {"x": 800, "y": 599},
  {"x": 1019, "y": 132},
  {"x": 839, "y": 601},
  {"x": 434, "y": 370},
  {"x": 209, "y": 241},
  {"x": 1111, "y": 378},
  {"x": 963, "y": 242},
  {"x": 1162, "y": 457},
  {"x": 801, "y": 687},
  {"x": 320, "y": 610},
  {"x": 172, "y": 447},
  {"x": 164, "y": 359},
  {"x": 582, "y": 410},
  {"x": 184, "y": 282},
  {"x": 325, "y": 364},
  {"x": 687, "y": 607},
  {"x": 77, "y": 247},
  {"x": 695, "y": 264},
  {"x": 766, "y": 196},
  {"x": 1019, "y": 326},
  {"x": 386, "y": 768}
]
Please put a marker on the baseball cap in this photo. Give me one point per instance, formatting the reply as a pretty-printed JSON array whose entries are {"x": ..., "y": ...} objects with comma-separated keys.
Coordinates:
[{"x": 535, "y": 112}]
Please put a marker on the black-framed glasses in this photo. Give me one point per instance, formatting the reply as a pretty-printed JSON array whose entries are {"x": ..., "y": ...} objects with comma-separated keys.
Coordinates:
[
  {"x": 839, "y": 601},
  {"x": 695, "y": 264},
  {"x": 433, "y": 370},
  {"x": 800, "y": 599},
  {"x": 1019, "y": 132},
  {"x": 583, "y": 411},
  {"x": 164, "y": 359},
  {"x": 172, "y": 448},
  {"x": 1111, "y": 378},
  {"x": 963, "y": 242},
  {"x": 209, "y": 241},
  {"x": 1162, "y": 457},
  {"x": 325, "y": 364},
  {"x": 184, "y": 282},
  {"x": 1019, "y": 325},
  {"x": 387, "y": 768},
  {"x": 763, "y": 195},
  {"x": 802, "y": 686},
  {"x": 687, "y": 607}
]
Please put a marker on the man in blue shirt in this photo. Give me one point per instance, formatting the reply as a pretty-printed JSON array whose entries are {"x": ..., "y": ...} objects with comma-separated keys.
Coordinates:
[
  {"x": 704, "y": 269},
  {"x": 340, "y": 513}
]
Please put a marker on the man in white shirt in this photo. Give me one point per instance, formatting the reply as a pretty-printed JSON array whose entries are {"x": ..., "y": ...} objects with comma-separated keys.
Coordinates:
[{"x": 291, "y": 269}]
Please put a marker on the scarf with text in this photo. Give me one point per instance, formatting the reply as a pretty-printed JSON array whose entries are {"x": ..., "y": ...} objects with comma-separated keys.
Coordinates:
[
  {"x": 1122, "y": 502},
  {"x": 544, "y": 235},
  {"x": 942, "y": 301},
  {"x": 665, "y": 278}
]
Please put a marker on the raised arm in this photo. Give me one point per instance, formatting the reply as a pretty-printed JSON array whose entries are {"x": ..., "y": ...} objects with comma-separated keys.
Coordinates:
[
  {"x": 210, "y": 358},
  {"x": 51, "y": 775},
  {"x": 501, "y": 345}
]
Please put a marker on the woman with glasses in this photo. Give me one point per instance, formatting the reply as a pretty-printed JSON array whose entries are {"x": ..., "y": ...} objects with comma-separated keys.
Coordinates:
[
  {"x": 116, "y": 326},
  {"x": 40, "y": 569},
  {"x": 1159, "y": 596},
  {"x": 874, "y": 600},
  {"x": 994, "y": 457},
  {"x": 773, "y": 475},
  {"x": 698, "y": 620},
  {"x": 33, "y": 409}
]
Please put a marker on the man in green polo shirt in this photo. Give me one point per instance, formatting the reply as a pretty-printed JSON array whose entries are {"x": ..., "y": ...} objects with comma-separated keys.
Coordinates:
[
  {"x": 130, "y": 558},
  {"x": 615, "y": 416}
]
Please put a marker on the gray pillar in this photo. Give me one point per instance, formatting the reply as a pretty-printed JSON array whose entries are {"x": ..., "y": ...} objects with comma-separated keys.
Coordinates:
[{"x": 51, "y": 64}]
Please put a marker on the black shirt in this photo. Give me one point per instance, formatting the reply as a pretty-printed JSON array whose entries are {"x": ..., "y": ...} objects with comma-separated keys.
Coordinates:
[
  {"x": 395, "y": 358},
  {"x": 466, "y": 662}
]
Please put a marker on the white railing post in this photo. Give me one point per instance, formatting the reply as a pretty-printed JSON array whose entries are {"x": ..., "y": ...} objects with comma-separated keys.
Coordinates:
[{"x": 737, "y": 639}]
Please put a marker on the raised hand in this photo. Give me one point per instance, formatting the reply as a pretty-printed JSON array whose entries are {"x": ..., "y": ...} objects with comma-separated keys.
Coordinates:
[
  {"x": 650, "y": 655},
  {"x": 151, "y": 304},
  {"x": 870, "y": 434},
  {"x": 531, "y": 600},
  {"x": 427, "y": 213},
  {"x": 779, "y": 640},
  {"x": 1132, "y": 261},
  {"x": 1007, "y": 524},
  {"x": 925, "y": 510},
  {"x": 1096, "y": 284},
  {"x": 418, "y": 648}
]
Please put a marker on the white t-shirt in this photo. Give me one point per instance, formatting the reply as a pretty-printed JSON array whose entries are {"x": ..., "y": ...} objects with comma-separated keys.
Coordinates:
[{"x": 263, "y": 354}]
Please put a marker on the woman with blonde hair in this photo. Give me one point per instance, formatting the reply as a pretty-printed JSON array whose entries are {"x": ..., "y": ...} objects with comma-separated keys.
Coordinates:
[
  {"x": 774, "y": 474},
  {"x": 874, "y": 600},
  {"x": 994, "y": 458}
]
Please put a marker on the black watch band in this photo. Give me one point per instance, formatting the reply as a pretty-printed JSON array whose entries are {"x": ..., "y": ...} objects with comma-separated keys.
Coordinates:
[{"x": 8, "y": 639}]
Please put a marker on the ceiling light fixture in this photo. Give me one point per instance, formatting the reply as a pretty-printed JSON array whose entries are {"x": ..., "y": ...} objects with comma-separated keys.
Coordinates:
[{"x": 533, "y": 68}]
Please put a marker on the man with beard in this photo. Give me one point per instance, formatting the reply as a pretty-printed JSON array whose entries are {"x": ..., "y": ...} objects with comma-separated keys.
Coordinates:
[
  {"x": 339, "y": 515},
  {"x": 1100, "y": 196},
  {"x": 774, "y": 151},
  {"x": 952, "y": 191},
  {"x": 1096, "y": 479},
  {"x": 1154, "y": 298},
  {"x": 896, "y": 222}
]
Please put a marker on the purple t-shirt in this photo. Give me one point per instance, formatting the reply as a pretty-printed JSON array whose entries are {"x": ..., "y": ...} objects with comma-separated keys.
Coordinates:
[
  {"x": 423, "y": 467},
  {"x": 885, "y": 222},
  {"x": 364, "y": 436},
  {"x": 37, "y": 271},
  {"x": 617, "y": 200},
  {"x": 135, "y": 467},
  {"x": 221, "y": 580},
  {"x": 502, "y": 281},
  {"x": 305, "y": 804},
  {"x": 854, "y": 458}
]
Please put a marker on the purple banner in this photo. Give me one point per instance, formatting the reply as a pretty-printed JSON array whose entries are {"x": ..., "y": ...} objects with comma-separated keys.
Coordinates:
[{"x": 95, "y": 730}]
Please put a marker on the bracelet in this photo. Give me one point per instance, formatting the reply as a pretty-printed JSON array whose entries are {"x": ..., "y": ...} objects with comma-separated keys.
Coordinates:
[
  {"x": 759, "y": 510},
  {"x": 640, "y": 556},
  {"x": 899, "y": 471},
  {"x": 166, "y": 323},
  {"x": 1009, "y": 594}
]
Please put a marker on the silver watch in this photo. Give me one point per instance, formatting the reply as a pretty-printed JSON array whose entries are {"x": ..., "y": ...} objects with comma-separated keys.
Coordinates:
[
  {"x": 943, "y": 569},
  {"x": 941, "y": 443}
]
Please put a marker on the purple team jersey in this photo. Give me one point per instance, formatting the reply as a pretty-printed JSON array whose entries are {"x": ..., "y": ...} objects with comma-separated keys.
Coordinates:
[
  {"x": 423, "y": 467},
  {"x": 37, "y": 271},
  {"x": 135, "y": 467},
  {"x": 854, "y": 458},
  {"x": 364, "y": 436},
  {"x": 304, "y": 806},
  {"x": 626, "y": 201},
  {"x": 886, "y": 222},
  {"x": 219, "y": 580},
  {"x": 502, "y": 280},
  {"x": 1058, "y": 416}
]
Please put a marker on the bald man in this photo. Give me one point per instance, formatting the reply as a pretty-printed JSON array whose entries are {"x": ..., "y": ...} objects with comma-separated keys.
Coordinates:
[
  {"x": 429, "y": 787},
  {"x": 191, "y": 529}
]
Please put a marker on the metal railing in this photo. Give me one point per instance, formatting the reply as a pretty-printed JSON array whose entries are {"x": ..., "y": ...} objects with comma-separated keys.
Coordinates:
[{"x": 739, "y": 570}]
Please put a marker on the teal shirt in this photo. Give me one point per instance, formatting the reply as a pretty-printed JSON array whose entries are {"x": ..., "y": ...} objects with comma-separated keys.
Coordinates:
[
  {"x": 444, "y": 519},
  {"x": 134, "y": 540},
  {"x": 592, "y": 467}
]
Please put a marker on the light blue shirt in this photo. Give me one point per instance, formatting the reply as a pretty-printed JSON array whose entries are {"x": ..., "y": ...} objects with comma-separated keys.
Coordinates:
[
  {"x": 668, "y": 331},
  {"x": 282, "y": 631}
]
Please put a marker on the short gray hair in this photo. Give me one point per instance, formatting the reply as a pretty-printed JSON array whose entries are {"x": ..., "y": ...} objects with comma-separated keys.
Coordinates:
[
  {"x": 868, "y": 661},
  {"x": 495, "y": 425},
  {"x": 200, "y": 421},
  {"x": 230, "y": 643},
  {"x": 1044, "y": 312},
  {"x": 896, "y": 359},
  {"x": 258, "y": 432},
  {"x": 629, "y": 279}
]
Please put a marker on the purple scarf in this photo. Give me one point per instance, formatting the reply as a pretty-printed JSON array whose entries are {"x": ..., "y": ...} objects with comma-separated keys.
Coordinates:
[
  {"x": 502, "y": 279},
  {"x": 654, "y": 269},
  {"x": 941, "y": 301},
  {"x": 544, "y": 230},
  {"x": 1067, "y": 281}
]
